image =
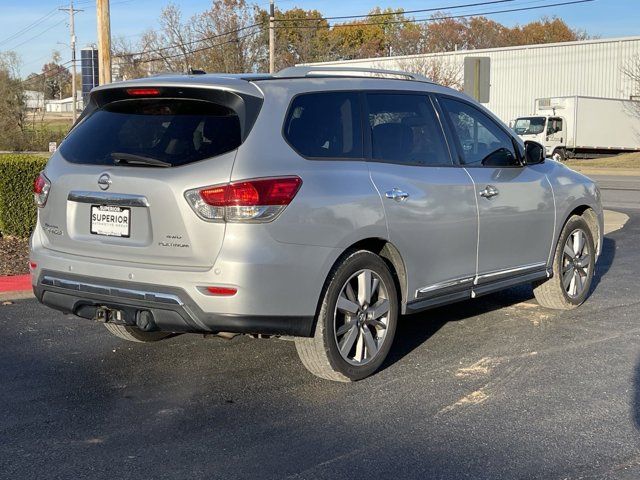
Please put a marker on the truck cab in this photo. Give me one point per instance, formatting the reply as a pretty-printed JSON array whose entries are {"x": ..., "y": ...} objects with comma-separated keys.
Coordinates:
[{"x": 549, "y": 131}]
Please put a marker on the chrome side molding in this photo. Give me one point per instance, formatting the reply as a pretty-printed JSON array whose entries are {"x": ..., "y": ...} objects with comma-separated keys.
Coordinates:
[
  {"x": 511, "y": 271},
  {"x": 452, "y": 285},
  {"x": 439, "y": 286}
]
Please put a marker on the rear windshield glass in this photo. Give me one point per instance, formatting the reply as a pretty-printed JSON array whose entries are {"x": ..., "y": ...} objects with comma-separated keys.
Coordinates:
[{"x": 175, "y": 131}]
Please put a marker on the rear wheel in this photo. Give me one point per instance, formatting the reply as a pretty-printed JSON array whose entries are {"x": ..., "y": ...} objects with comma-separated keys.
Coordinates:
[
  {"x": 356, "y": 322},
  {"x": 573, "y": 267},
  {"x": 134, "y": 334}
]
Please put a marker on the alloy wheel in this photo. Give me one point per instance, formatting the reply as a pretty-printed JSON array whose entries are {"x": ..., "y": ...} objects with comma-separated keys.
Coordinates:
[
  {"x": 361, "y": 317},
  {"x": 576, "y": 263}
]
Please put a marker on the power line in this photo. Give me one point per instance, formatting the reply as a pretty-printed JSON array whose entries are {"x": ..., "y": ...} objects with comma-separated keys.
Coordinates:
[
  {"x": 390, "y": 14},
  {"x": 47, "y": 73},
  {"x": 31, "y": 26},
  {"x": 178, "y": 45},
  {"x": 40, "y": 34},
  {"x": 191, "y": 52},
  {"x": 436, "y": 19}
]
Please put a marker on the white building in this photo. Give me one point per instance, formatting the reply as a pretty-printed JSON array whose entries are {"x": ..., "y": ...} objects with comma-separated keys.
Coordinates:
[
  {"x": 521, "y": 74},
  {"x": 34, "y": 100},
  {"x": 64, "y": 105}
]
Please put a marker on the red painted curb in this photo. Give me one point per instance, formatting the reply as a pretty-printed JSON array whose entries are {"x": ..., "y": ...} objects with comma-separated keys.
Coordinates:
[{"x": 15, "y": 283}]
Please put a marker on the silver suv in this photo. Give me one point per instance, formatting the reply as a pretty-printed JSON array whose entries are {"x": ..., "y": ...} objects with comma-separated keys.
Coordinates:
[{"x": 317, "y": 203}]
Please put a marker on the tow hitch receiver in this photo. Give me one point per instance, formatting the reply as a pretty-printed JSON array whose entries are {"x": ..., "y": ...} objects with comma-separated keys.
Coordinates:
[{"x": 107, "y": 315}]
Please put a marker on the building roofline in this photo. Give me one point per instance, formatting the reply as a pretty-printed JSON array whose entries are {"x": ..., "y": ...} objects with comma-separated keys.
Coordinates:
[{"x": 482, "y": 50}]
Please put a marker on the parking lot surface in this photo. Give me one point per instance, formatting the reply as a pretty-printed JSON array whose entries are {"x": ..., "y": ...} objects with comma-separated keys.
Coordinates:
[{"x": 497, "y": 387}]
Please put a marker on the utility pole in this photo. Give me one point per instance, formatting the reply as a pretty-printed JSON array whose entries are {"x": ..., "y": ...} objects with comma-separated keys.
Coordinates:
[
  {"x": 272, "y": 37},
  {"x": 72, "y": 30},
  {"x": 104, "y": 41}
]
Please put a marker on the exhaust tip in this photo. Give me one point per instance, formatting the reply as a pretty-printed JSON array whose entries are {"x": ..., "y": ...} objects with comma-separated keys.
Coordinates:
[{"x": 145, "y": 321}]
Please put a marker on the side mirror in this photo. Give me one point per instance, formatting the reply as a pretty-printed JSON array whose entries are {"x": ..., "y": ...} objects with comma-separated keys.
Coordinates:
[{"x": 534, "y": 153}]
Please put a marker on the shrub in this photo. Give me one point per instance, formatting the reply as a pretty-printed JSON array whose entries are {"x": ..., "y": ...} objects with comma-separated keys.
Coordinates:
[{"x": 17, "y": 210}]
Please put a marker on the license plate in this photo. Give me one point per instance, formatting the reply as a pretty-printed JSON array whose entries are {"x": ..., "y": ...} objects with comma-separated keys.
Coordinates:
[{"x": 110, "y": 220}]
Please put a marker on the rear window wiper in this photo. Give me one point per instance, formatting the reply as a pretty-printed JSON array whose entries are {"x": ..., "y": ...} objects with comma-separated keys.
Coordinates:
[{"x": 133, "y": 159}]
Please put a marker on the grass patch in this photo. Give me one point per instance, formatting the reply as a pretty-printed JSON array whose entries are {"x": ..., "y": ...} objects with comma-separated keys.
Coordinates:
[{"x": 625, "y": 161}]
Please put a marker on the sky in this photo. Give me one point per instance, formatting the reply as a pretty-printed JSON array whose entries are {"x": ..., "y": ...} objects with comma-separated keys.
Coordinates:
[{"x": 130, "y": 18}]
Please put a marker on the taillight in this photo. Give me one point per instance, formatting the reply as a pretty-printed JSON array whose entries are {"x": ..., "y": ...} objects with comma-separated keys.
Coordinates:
[
  {"x": 259, "y": 200},
  {"x": 143, "y": 92},
  {"x": 41, "y": 188}
]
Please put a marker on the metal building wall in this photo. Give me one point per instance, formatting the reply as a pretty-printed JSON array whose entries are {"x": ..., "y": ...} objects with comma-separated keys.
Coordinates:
[{"x": 521, "y": 74}]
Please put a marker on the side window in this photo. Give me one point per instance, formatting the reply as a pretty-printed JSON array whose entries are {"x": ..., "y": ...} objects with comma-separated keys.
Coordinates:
[
  {"x": 405, "y": 130},
  {"x": 325, "y": 125},
  {"x": 482, "y": 141},
  {"x": 554, "y": 126}
]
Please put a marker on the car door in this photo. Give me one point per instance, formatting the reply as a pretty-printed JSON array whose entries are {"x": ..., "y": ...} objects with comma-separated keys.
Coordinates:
[
  {"x": 515, "y": 203},
  {"x": 555, "y": 134},
  {"x": 429, "y": 202}
]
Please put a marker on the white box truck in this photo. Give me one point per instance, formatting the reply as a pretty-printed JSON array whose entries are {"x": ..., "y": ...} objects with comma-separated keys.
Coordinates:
[{"x": 583, "y": 127}]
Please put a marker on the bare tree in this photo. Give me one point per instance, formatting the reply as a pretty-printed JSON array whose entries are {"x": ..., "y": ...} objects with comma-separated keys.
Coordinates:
[
  {"x": 444, "y": 72},
  {"x": 632, "y": 71}
]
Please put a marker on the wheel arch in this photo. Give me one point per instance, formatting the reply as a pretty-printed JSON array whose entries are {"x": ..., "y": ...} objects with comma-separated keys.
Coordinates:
[
  {"x": 591, "y": 217},
  {"x": 389, "y": 253}
]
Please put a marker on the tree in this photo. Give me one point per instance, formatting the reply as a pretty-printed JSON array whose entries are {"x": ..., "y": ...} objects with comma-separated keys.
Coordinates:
[
  {"x": 13, "y": 111},
  {"x": 545, "y": 30},
  {"x": 444, "y": 72},
  {"x": 57, "y": 79},
  {"x": 232, "y": 36},
  {"x": 302, "y": 36},
  {"x": 126, "y": 64},
  {"x": 632, "y": 72},
  {"x": 227, "y": 40}
]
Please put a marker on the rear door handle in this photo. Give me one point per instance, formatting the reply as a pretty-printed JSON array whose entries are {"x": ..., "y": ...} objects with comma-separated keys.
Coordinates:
[
  {"x": 489, "y": 191},
  {"x": 396, "y": 194}
]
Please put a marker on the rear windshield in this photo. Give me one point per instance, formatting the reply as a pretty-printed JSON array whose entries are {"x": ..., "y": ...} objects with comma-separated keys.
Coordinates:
[{"x": 175, "y": 131}]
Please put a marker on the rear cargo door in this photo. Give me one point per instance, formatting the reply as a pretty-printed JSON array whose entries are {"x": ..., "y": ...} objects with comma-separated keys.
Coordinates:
[{"x": 119, "y": 178}]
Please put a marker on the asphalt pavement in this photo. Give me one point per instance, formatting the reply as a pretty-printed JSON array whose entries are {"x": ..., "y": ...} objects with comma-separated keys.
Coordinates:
[
  {"x": 497, "y": 387},
  {"x": 619, "y": 192}
]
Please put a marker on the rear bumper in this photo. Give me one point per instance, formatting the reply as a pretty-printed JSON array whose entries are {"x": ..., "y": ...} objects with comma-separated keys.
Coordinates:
[{"x": 171, "y": 308}]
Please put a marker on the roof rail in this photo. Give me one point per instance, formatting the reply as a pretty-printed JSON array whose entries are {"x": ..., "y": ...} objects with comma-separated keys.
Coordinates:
[{"x": 317, "y": 71}]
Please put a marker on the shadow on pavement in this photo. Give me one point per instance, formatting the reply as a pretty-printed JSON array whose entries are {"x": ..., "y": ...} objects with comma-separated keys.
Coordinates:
[
  {"x": 414, "y": 330},
  {"x": 604, "y": 262}
]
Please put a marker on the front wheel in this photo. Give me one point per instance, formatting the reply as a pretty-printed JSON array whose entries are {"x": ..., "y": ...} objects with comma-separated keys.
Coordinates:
[
  {"x": 356, "y": 322},
  {"x": 559, "y": 155},
  {"x": 573, "y": 268}
]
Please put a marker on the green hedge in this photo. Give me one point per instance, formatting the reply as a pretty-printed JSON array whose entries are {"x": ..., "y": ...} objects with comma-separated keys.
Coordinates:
[{"x": 17, "y": 209}]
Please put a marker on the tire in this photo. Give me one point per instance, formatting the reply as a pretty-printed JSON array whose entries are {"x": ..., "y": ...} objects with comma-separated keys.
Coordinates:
[
  {"x": 134, "y": 334},
  {"x": 373, "y": 319},
  {"x": 570, "y": 284},
  {"x": 559, "y": 155}
]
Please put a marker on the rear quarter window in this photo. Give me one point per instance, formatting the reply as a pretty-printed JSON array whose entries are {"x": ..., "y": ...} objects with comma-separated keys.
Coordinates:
[
  {"x": 176, "y": 131},
  {"x": 325, "y": 125}
]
